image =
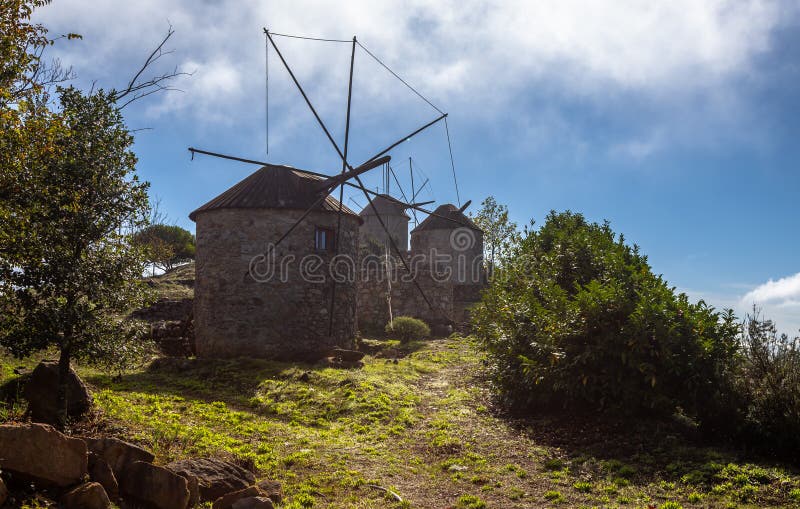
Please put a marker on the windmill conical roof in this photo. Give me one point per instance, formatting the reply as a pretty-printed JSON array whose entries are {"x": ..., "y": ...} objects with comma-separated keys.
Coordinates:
[
  {"x": 275, "y": 187},
  {"x": 386, "y": 206},
  {"x": 446, "y": 217}
]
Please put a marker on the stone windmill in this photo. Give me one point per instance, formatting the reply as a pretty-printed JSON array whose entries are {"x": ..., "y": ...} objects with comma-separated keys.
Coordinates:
[{"x": 275, "y": 213}]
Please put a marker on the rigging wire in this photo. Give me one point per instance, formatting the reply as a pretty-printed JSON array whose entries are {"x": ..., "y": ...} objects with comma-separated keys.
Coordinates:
[
  {"x": 401, "y": 79},
  {"x": 309, "y": 38},
  {"x": 452, "y": 163},
  {"x": 266, "y": 90}
]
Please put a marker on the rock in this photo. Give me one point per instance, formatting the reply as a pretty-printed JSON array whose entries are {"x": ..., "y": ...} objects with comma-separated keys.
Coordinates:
[
  {"x": 253, "y": 503},
  {"x": 215, "y": 477},
  {"x": 90, "y": 495},
  {"x": 3, "y": 492},
  {"x": 101, "y": 472},
  {"x": 272, "y": 489},
  {"x": 117, "y": 453},
  {"x": 347, "y": 355},
  {"x": 42, "y": 389},
  {"x": 227, "y": 501},
  {"x": 40, "y": 453},
  {"x": 155, "y": 486},
  {"x": 191, "y": 480}
]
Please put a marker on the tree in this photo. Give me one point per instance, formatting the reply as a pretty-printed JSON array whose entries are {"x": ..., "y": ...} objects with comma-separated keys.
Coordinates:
[
  {"x": 498, "y": 231},
  {"x": 165, "y": 245},
  {"x": 579, "y": 320},
  {"x": 69, "y": 268},
  {"x": 69, "y": 201}
]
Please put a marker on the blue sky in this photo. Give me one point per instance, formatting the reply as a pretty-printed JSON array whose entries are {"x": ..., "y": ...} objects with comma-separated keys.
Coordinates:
[{"x": 675, "y": 120}]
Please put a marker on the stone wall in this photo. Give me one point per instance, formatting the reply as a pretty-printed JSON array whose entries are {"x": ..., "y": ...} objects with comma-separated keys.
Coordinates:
[
  {"x": 281, "y": 308},
  {"x": 449, "y": 301}
]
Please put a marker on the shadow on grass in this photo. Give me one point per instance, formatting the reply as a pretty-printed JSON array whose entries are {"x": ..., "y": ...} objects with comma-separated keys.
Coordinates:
[
  {"x": 643, "y": 449},
  {"x": 233, "y": 381}
]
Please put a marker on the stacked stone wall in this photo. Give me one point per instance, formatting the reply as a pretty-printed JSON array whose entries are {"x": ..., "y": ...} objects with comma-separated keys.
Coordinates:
[{"x": 247, "y": 304}]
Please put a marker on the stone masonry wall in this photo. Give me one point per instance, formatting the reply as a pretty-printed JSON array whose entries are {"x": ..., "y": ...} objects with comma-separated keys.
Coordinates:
[{"x": 282, "y": 312}]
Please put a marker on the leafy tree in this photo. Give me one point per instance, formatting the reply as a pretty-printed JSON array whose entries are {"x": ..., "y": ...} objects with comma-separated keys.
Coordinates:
[
  {"x": 69, "y": 199},
  {"x": 499, "y": 232},
  {"x": 23, "y": 73},
  {"x": 69, "y": 269},
  {"x": 579, "y": 320},
  {"x": 165, "y": 245}
]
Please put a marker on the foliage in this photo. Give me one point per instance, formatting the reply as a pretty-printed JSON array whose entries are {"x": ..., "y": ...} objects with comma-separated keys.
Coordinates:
[
  {"x": 407, "y": 329},
  {"x": 166, "y": 245},
  {"x": 769, "y": 384},
  {"x": 499, "y": 232},
  {"x": 24, "y": 76},
  {"x": 328, "y": 434},
  {"x": 69, "y": 198},
  {"x": 579, "y": 320}
]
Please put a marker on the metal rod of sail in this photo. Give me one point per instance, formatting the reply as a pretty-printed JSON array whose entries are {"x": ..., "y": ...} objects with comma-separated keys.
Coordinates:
[
  {"x": 413, "y": 191},
  {"x": 396, "y": 249},
  {"x": 341, "y": 185},
  {"x": 233, "y": 158},
  {"x": 303, "y": 93},
  {"x": 407, "y": 137}
]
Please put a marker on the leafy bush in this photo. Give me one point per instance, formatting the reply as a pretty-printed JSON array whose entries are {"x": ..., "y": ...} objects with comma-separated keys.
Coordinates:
[
  {"x": 577, "y": 319},
  {"x": 406, "y": 329},
  {"x": 769, "y": 384}
]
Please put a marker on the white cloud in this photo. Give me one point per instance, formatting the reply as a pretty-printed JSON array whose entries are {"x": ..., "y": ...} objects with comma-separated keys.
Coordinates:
[
  {"x": 779, "y": 300},
  {"x": 477, "y": 58},
  {"x": 784, "y": 291}
]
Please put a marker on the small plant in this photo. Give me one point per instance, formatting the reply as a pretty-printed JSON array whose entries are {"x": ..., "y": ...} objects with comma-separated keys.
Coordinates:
[
  {"x": 671, "y": 505},
  {"x": 470, "y": 502},
  {"x": 583, "y": 486},
  {"x": 795, "y": 494},
  {"x": 554, "y": 464},
  {"x": 695, "y": 497},
  {"x": 408, "y": 329},
  {"x": 554, "y": 496}
]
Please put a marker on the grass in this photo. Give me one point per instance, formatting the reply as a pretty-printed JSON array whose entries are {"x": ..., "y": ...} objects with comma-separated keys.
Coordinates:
[{"x": 423, "y": 427}]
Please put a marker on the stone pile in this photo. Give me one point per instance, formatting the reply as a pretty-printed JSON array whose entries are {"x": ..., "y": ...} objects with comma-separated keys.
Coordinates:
[
  {"x": 171, "y": 325},
  {"x": 93, "y": 473}
]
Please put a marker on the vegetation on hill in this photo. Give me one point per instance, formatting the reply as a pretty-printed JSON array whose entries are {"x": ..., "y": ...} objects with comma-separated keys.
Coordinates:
[
  {"x": 577, "y": 320},
  {"x": 166, "y": 245},
  {"x": 424, "y": 428}
]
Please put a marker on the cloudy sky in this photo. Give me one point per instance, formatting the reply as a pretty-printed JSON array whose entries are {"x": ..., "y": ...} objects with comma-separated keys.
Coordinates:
[{"x": 675, "y": 120}]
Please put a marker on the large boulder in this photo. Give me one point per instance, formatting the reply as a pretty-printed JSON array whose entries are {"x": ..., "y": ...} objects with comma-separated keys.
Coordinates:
[
  {"x": 272, "y": 489},
  {"x": 41, "y": 391},
  {"x": 215, "y": 477},
  {"x": 3, "y": 492},
  {"x": 253, "y": 503},
  {"x": 90, "y": 495},
  {"x": 117, "y": 453},
  {"x": 40, "y": 453},
  {"x": 154, "y": 486},
  {"x": 100, "y": 471},
  {"x": 227, "y": 501}
]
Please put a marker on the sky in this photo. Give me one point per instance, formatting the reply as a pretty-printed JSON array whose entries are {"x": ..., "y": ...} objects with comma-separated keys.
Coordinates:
[{"x": 675, "y": 120}]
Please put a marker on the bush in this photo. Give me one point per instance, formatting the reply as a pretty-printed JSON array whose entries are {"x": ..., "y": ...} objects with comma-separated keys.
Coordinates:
[
  {"x": 577, "y": 319},
  {"x": 769, "y": 384},
  {"x": 406, "y": 329}
]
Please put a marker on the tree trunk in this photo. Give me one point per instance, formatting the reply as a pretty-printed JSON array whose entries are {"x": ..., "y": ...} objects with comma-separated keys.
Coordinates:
[{"x": 62, "y": 399}]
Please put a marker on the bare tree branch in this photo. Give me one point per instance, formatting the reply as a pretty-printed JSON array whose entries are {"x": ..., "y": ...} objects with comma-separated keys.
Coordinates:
[{"x": 139, "y": 88}]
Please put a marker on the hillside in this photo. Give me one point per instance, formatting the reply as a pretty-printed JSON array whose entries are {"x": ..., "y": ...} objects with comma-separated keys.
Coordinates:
[{"x": 422, "y": 427}]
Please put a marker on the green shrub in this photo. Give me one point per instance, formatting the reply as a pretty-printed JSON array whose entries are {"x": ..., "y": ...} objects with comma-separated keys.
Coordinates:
[
  {"x": 406, "y": 329},
  {"x": 576, "y": 318},
  {"x": 769, "y": 382}
]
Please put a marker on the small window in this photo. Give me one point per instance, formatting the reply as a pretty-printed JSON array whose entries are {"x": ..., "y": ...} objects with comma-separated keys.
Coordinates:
[{"x": 324, "y": 239}]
